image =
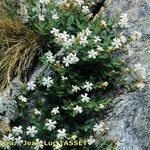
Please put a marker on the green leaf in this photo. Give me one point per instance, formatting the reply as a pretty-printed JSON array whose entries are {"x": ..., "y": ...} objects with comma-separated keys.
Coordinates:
[{"x": 70, "y": 20}]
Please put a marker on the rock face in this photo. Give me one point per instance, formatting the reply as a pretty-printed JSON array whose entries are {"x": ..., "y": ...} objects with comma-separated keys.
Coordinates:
[
  {"x": 129, "y": 123},
  {"x": 7, "y": 98},
  {"x": 8, "y": 104}
]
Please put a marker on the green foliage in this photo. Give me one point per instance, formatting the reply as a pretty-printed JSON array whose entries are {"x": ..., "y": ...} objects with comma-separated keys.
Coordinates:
[{"x": 86, "y": 62}]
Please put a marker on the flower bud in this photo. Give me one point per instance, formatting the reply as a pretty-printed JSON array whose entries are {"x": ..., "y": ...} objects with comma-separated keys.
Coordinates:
[
  {"x": 105, "y": 84},
  {"x": 103, "y": 24}
]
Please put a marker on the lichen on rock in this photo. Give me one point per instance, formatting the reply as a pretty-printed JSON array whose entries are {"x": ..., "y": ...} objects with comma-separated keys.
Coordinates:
[{"x": 129, "y": 122}]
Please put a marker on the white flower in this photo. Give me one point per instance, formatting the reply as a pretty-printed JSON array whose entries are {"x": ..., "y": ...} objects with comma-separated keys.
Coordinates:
[
  {"x": 6, "y": 141},
  {"x": 49, "y": 57},
  {"x": 81, "y": 33},
  {"x": 79, "y": 2},
  {"x": 83, "y": 40},
  {"x": 31, "y": 131},
  {"x": 22, "y": 98},
  {"x": 88, "y": 86},
  {"x": 41, "y": 17},
  {"x": 101, "y": 106},
  {"x": 37, "y": 112},
  {"x": 135, "y": 35},
  {"x": 6, "y": 146},
  {"x": 64, "y": 35},
  {"x": 73, "y": 58},
  {"x": 55, "y": 31},
  {"x": 8, "y": 138},
  {"x": 66, "y": 61},
  {"x": 87, "y": 32},
  {"x": 97, "y": 39},
  {"x": 98, "y": 128},
  {"x": 75, "y": 88},
  {"x": 55, "y": 110},
  {"x": 55, "y": 16},
  {"x": 37, "y": 8},
  {"x": 61, "y": 134},
  {"x": 61, "y": 2},
  {"x": 85, "y": 98},
  {"x": 91, "y": 140},
  {"x": 67, "y": 43},
  {"x": 92, "y": 54},
  {"x": 140, "y": 85},
  {"x": 46, "y": 2},
  {"x": 123, "y": 39},
  {"x": 99, "y": 48},
  {"x": 64, "y": 78},
  {"x": 17, "y": 130},
  {"x": 70, "y": 59},
  {"x": 31, "y": 85},
  {"x": 18, "y": 140},
  {"x": 78, "y": 109},
  {"x": 38, "y": 144},
  {"x": 85, "y": 9},
  {"x": 84, "y": 34},
  {"x": 50, "y": 124},
  {"x": 57, "y": 146},
  {"x": 47, "y": 81},
  {"x": 116, "y": 42},
  {"x": 123, "y": 20}
]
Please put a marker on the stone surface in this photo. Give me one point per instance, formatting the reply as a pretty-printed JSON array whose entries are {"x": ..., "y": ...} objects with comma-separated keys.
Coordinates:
[
  {"x": 129, "y": 122},
  {"x": 8, "y": 104}
]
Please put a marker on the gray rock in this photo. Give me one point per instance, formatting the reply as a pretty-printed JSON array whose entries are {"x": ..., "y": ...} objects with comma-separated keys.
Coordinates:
[
  {"x": 129, "y": 123},
  {"x": 8, "y": 105}
]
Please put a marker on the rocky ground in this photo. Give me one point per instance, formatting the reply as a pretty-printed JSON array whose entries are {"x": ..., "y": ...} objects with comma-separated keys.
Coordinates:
[{"x": 129, "y": 122}]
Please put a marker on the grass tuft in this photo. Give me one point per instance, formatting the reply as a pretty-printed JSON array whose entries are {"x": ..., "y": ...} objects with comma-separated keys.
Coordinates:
[{"x": 17, "y": 48}]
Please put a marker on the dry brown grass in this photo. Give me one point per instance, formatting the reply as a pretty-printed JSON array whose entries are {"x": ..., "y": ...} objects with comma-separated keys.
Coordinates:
[{"x": 17, "y": 48}]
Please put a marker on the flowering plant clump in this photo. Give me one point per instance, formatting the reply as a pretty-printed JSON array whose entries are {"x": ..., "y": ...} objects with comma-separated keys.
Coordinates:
[{"x": 64, "y": 102}]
